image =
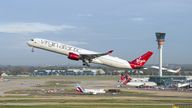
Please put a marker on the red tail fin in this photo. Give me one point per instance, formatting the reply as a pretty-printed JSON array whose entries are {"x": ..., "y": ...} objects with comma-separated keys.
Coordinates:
[
  {"x": 140, "y": 61},
  {"x": 125, "y": 78}
]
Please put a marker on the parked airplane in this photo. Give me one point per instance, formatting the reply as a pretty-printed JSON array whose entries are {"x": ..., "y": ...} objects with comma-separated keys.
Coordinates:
[
  {"x": 79, "y": 89},
  {"x": 135, "y": 82},
  {"x": 87, "y": 56},
  {"x": 168, "y": 70},
  {"x": 185, "y": 84}
]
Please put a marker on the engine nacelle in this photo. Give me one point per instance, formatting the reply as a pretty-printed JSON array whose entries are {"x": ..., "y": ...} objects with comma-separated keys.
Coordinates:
[{"x": 73, "y": 56}]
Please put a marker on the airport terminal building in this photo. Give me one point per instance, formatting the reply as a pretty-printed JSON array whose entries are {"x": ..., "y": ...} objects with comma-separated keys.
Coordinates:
[{"x": 87, "y": 71}]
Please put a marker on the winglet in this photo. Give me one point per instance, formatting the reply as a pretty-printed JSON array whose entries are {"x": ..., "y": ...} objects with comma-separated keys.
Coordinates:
[{"x": 109, "y": 52}]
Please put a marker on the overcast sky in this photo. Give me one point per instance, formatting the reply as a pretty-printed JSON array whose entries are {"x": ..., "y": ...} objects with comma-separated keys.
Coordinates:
[{"x": 126, "y": 26}]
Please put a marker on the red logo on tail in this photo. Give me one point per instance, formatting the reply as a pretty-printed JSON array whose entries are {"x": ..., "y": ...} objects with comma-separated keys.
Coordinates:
[
  {"x": 140, "y": 61},
  {"x": 125, "y": 78}
]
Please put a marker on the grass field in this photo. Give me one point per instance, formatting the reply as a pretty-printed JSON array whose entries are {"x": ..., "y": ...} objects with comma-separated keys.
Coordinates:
[
  {"x": 87, "y": 106},
  {"x": 32, "y": 93}
]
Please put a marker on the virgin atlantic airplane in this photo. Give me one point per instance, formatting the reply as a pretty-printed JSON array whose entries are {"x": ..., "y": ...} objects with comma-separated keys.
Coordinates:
[{"x": 87, "y": 57}]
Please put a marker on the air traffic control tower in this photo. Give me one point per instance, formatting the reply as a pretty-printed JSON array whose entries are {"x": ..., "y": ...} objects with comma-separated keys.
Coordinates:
[
  {"x": 160, "y": 40},
  {"x": 163, "y": 80}
]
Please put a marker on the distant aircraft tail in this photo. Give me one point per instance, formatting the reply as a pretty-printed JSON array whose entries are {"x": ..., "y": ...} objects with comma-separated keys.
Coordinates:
[
  {"x": 140, "y": 61},
  {"x": 178, "y": 70},
  {"x": 124, "y": 79},
  {"x": 79, "y": 89}
]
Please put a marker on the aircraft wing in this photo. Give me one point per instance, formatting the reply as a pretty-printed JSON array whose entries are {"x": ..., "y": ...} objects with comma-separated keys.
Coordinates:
[{"x": 92, "y": 56}]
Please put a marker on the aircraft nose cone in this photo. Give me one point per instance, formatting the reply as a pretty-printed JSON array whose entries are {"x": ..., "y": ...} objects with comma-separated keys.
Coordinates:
[{"x": 29, "y": 43}]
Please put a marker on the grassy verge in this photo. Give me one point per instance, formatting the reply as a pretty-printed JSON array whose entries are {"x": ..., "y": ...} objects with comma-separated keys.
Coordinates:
[{"x": 88, "y": 106}]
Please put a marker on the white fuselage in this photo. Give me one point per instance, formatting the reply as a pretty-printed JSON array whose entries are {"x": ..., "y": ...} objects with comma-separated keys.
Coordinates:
[
  {"x": 94, "y": 91},
  {"x": 66, "y": 49},
  {"x": 141, "y": 83},
  {"x": 166, "y": 69}
]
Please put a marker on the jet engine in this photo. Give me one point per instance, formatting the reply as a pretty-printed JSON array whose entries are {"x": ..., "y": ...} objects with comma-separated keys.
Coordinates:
[{"x": 73, "y": 56}]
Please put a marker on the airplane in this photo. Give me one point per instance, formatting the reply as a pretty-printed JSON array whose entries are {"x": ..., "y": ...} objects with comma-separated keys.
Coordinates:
[
  {"x": 168, "y": 70},
  {"x": 125, "y": 79},
  {"x": 185, "y": 84},
  {"x": 174, "y": 71},
  {"x": 86, "y": 56},
  {"x": 81, "y": 90}
]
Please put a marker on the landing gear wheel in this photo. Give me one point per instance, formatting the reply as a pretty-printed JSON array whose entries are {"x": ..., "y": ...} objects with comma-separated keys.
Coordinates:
[{"x": 86, "y": 64}]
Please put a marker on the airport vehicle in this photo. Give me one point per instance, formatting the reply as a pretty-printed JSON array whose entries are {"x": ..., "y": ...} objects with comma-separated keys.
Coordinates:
[
  {"x": 86, "y": 56},
  {"x": 79, "y": 89},
  {"x": 135, "y": 82},
  {"x": 167, "y": 69}
]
